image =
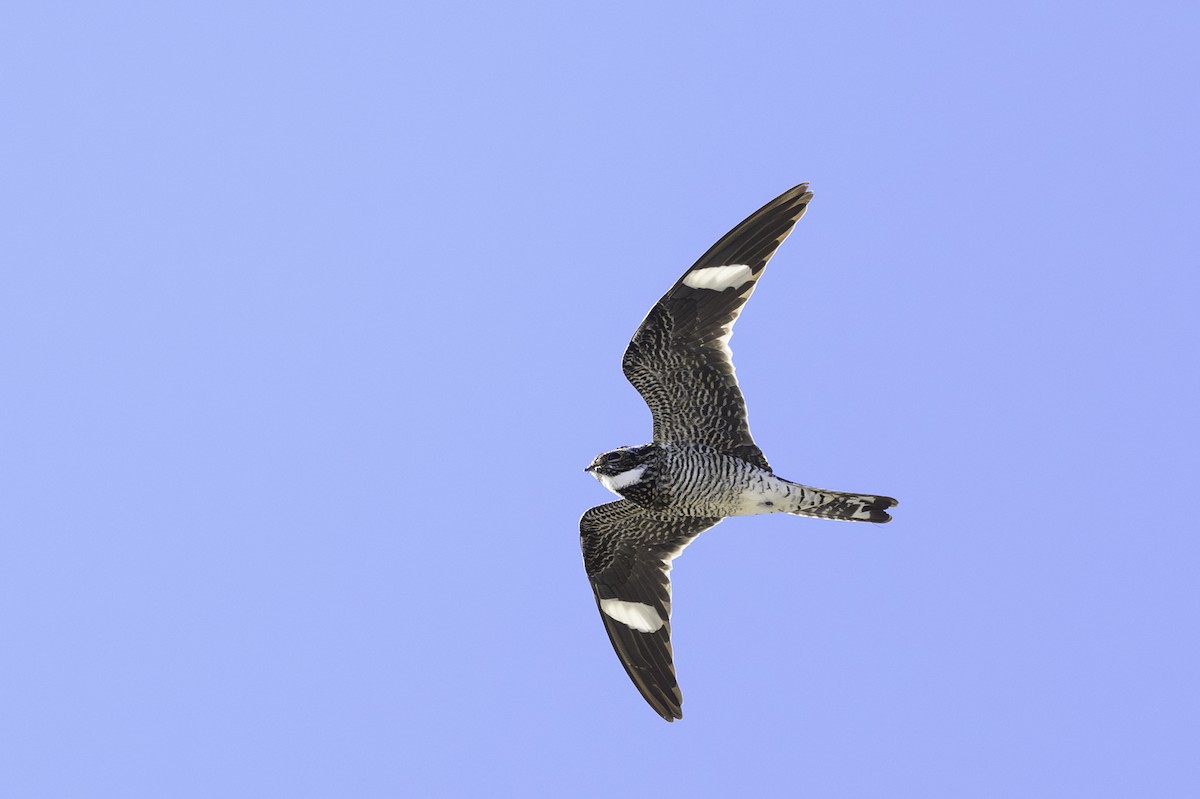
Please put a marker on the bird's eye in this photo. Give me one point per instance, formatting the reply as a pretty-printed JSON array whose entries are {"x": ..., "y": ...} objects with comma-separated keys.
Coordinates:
[{"x": 612, "y": 456}]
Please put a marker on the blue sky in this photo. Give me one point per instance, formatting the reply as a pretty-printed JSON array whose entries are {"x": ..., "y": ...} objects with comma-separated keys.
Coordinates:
[{"x": 311, "y": 316}]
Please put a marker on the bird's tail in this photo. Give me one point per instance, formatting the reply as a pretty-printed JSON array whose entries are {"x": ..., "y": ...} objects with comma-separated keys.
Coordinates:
[{"x": 825, "y": 504}]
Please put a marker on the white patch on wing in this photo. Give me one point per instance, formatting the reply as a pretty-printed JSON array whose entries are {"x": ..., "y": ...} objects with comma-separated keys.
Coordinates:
[
  {"x": 637, "y": 615},
  {"x": 623, "y": 480},
  {"x": 718, "y": 278}
]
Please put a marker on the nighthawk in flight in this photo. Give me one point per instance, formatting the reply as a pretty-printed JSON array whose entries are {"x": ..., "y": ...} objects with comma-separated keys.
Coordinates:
[{"x": 703, "y": 464}]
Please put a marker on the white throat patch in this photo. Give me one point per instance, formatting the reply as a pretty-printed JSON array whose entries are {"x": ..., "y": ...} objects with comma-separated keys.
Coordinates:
[
  {"x": 637, "y": 615},
  {"x": 718, "y": 278},
  {"x": 623, "y": 480}
]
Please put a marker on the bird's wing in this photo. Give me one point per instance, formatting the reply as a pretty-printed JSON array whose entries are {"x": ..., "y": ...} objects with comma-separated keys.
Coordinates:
[
  {"x": 679, "y": 359},
  {"x": 627, "y": 553}
]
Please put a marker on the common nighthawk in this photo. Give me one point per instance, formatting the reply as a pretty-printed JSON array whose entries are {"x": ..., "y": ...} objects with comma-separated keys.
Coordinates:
[{"x": 702, "y": 465}]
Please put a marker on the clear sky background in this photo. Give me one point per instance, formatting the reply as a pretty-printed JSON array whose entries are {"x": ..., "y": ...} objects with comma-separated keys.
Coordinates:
[{"x": 311, "y": 316}]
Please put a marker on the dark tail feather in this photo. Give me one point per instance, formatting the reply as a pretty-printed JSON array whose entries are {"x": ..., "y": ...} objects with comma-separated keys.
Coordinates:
[{"x": 826, "y": 504}]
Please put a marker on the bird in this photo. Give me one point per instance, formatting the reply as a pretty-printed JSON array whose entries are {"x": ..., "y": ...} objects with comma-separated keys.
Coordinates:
[{"x": 702, "y": 464}]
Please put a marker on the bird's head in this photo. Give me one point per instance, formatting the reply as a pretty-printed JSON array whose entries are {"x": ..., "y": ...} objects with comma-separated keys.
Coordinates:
[{"x": 621, "y": 468}]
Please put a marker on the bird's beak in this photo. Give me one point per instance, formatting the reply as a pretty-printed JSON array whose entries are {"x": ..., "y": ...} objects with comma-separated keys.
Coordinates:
[{"x": 590, "y": 468}]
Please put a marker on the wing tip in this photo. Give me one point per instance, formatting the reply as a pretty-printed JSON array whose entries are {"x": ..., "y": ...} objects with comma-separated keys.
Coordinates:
[
  {"x": 670, "y": 708},
  {"x": 800, "y": 194}
]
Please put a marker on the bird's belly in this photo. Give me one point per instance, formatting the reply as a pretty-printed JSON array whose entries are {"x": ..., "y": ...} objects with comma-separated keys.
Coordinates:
[
  {"x": 719, "y": 485},
  {"x": 762, "y": 492}
]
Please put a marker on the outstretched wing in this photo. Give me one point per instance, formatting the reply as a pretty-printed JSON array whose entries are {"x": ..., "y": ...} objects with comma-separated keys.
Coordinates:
[
  {"x": 627, "y": 553},
  {"x": 679, "y": 359}
]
